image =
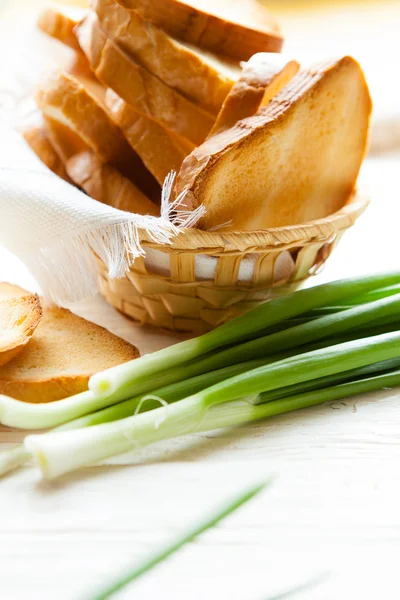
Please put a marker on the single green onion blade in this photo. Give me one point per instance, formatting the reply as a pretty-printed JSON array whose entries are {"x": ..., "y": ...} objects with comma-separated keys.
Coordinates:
[
  {"x": 299, "y": 588},
  {"x": 241, "y": 329},
  {"x": 385, "y": 366},
  {"x": 192, "y": 532},
  {"x": 307, "y": 366},
  {"x": 241, "y": 412}
]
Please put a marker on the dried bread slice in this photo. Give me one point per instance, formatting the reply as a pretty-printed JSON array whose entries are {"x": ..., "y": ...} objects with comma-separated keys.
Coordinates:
[
  {"x": 20, "y": 314},
  {"x": 105, "y": 184},
  {"x": 295, "y": 161},
  {"x": 59, "y": 22},
  {"x": 99, "y": 180},
  {"x": 140, "y": 88},
  {"x": 37, "y": 138},
  {"x": 64, "y": 352},
  {"x": 235, "y": 28},
  {"x": 262, "y": 78},
  {"x": 161, "y": 151},
  {"x": 203, "y": 77},
  {"x": 65, "y": 142},
  {"x": 78, "y": 104}
]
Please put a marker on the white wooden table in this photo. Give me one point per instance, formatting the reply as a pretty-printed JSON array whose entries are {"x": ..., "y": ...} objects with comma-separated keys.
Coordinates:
[{"x": 332, "y": 510}]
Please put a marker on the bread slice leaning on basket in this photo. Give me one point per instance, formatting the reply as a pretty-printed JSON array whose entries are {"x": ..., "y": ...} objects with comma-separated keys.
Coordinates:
[
  {"x": 262, "y": 78},
  {"x": 63, "y": 354},
  {"x": 201, "y": 76},
  {"x": 160, "y": 150},
  {"x": 20, "y": 314},
  {"x": 234, "y": 28},
  {"x": 99, "y": 180},
  {"x": 295, "y": 161},
  {"x": 140, "y": 88},
  {"x": 105, "y": 184},
  {"x": 78, "y": 104},
  {"x": 37, "y": 138}
]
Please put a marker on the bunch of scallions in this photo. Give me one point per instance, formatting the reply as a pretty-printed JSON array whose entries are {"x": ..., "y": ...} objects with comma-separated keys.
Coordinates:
[{"x": 317, "y": 345}]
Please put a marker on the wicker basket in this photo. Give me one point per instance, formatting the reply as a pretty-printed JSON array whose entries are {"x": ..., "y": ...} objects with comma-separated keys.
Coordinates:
[{"x": 197, "y": 281}]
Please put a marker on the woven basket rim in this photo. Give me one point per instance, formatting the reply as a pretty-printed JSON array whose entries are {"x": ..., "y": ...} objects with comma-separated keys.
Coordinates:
[{"x": 320, "y": 229}]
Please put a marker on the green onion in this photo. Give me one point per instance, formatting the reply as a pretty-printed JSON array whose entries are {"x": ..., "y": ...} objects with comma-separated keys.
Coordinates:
[
  {"x": 58, "y": 453},
  {"x": 243, "y": 328},
  {"x": 211, "y": 520},
  {"x": 15, "y": 413}
]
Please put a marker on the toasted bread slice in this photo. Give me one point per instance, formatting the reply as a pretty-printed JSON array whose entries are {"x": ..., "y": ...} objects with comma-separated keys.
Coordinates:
[
  {"x": 64, "y": 141},
  {"x": 295, "y": 161},
  {"x": 20, "y": 314},
  {"x": 203, "y": 77},
  {"x": 140, "y": 88},
  {"x": 78, "y": 104},
  {"x": 262, "y": 78},
  {"x": 36, "y": 137},
  {"x": 105, "y": 184},
  {"x": 99, "y": 180},
  {"x": 161, "y": 151},
  {"x": 234, "y": 28},
  {"x": 59, "y": 22},
  {"x": 61, "y": 357}
]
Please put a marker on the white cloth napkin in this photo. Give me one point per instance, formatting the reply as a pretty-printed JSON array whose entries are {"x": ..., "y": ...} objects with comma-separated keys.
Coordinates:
[{"x": 56, "y": 230}]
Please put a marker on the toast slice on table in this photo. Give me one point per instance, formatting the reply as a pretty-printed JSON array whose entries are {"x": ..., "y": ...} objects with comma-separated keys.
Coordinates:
[
  {"x": 201, "y": 76},
  {"x": 61, "y": 357},
  {"x": 160, "y": 150},
  {"x": 78, "y": 104},
  {"x": 234, "y": 28},
  {"x": 36, "y": 137},
  {"x": 138, "y": 87},
  {"x": 262, "y": 78},
  {"x": 295, "y": 161},
  {"x": 20, "y": 314},
  {"x": 59, "y": 22},
  {"x": 105, "y": 184}
]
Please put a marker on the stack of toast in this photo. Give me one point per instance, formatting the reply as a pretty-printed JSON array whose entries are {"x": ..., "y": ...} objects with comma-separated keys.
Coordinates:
[{"x": 199, "y": 89}]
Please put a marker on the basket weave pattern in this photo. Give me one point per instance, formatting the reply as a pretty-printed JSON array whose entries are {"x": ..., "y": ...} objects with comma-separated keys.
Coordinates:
[{"x": 180, "y": 300}]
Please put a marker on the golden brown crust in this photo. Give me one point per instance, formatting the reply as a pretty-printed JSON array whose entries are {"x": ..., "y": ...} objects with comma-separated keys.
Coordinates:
[
  {"x": 64, "y": 353},
  {"x": 77, "y": 103},
  {"x": 20, "y": 314},
  {"x": 138, "y": 87},
  {"x": 105, "y": 184},
  {"x": 67, "y": 99},
  {"x": 204, "y": 78},
  {"x": 36, "y": 137},
  {"x": 65, "y": 142},
  {"x": 248, "y": 180},
  {"x": 59, "y": 23},
  {"x": 241, "y": 29},
  {"x": 160, "y": 151},
  {"x": 262, "y": 78}
]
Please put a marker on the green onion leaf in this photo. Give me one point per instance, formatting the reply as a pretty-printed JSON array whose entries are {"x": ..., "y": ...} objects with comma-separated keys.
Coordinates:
[{"x": 151, "y": 561}]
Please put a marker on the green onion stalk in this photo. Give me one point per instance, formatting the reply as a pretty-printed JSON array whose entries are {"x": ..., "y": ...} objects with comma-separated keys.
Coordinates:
[
  {"x": 14, "y": 413},
  {"x": 236, "y": 400},
  {"x": 139, "y": 373},
  {"x": 154, "y": 558},
  {"x": 198, "y": 377}
]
